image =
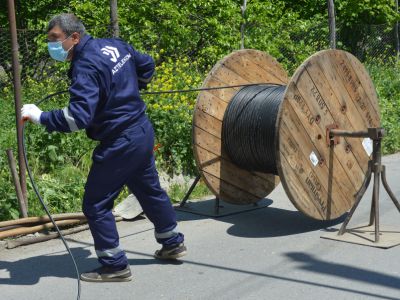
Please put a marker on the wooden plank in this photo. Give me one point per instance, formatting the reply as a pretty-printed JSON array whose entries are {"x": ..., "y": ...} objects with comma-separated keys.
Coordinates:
[
  {"x": 353, "y": 86},
  {"x": 365, "y": 81},
  {"x": 336, "y": 94},
  {"x": 306, "y": 89},
  {"x": 211, "y": 105},
  {"x": 225, "y": 94},
  {"x": 322, "y": 188},
  {"x": 269, "y": 64},
  {"x": 294, "y": 189},
  {"x": 244, "y": 65},
  {"x": 225, "y": 191},
  {"x": 206, "y": 140},
  {"x": 274, "y": 179},
  {"x": 224, "y": 74},
  {"x": 333, "y": 94},
  {"x": 208, "y": 123}
]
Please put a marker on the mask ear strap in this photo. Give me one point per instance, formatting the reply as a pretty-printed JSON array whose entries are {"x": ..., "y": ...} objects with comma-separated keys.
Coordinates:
[
  {"x": 66, "y": 38},
  {"x": 70, "y": 48}
]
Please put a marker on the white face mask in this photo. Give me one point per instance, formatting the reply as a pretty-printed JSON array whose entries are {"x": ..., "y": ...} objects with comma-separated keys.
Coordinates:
[{"x": 57, "y": 51}]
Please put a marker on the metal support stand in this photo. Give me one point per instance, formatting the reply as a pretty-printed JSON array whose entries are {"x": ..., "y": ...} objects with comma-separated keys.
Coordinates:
[
  {"x": 374, "y": 166},
  {"x": 183, "y": 202},
  {"x": 216, "y": 206},
  {"x": 230, "y": 209}
]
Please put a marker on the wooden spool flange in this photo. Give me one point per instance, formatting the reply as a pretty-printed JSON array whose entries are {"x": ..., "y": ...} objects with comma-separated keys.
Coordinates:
[
  {"x": 331, "y": 89},
  {"x": 227, "y": 181}
]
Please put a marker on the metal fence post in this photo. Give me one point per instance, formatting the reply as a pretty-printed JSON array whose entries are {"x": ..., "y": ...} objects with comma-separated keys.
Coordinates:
[
  {"x": 114, "y": 18},
  {"x": 396, "y": 31},
  {"x": 243, "y": 25}
]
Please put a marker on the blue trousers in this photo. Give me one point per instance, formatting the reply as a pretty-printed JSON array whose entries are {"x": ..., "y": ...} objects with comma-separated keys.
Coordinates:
[{"x": 126, "y": 160}]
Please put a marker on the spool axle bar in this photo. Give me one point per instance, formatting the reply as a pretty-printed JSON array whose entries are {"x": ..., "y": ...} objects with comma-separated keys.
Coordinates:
[{"x": 372, "y": 133}]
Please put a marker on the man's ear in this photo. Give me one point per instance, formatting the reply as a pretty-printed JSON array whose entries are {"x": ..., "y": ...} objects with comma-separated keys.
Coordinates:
[{"x": 75, "y": 37}]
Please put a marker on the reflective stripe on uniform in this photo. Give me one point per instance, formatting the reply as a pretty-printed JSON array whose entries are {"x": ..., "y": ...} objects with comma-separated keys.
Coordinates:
[
  {"x": 70, "y": 120},
  {"x": 146, "y": 80},
  {"x": 108, "y": 252},
  {"x": 167, "y": 234}
]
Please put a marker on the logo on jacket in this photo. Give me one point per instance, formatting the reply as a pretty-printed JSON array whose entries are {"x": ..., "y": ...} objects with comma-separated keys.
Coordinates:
[{"x": 108, "y": 50}]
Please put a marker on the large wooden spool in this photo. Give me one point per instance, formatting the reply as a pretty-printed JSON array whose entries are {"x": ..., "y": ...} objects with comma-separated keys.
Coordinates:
[{"x": 331, "y": 89}]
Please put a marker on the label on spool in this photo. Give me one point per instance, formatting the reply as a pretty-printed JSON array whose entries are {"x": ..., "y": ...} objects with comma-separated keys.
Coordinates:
[
  {"x": 314, "y": 158},
  {"x": 368, "y": 146}
]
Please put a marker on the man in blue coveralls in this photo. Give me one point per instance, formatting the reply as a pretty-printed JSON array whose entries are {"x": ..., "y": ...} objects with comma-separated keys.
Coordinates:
[{"x": 106, "y": 76}]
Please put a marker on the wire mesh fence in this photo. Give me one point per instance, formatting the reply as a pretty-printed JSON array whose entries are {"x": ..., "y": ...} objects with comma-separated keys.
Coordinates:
[
  {"x": 290, "y": 46},
  {"x": 366, "y": 42}
]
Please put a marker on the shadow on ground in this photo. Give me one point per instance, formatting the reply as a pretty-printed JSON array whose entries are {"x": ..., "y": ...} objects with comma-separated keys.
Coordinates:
[
  {"x": 315, "y": 265},
  {"x": 255, "y": 221},
  {"x": 30, "y": 270}
]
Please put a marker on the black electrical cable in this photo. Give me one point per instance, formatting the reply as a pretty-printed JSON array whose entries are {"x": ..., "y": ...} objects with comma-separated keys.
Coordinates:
[
  {"x": 51, "y": 96},
  {"x": 248, "y": 127},
  {"x": 199, "y": 89},
  {"x": 40, "y": 198}
]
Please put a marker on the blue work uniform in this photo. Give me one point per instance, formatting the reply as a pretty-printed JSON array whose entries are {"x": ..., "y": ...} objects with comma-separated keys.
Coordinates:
[{"x": 106, "y": 75}]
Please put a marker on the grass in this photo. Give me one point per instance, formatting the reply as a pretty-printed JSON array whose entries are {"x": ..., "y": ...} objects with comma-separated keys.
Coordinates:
[{"x": 176, "y": 191}]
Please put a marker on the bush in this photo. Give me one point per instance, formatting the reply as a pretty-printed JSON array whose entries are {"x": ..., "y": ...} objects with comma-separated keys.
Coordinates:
[
  {"x": 385, "y": 76},
  {"x": 8, "y": 199},
  {"x": 171, "y": 114},
  {"x": 59, "y": 162}
]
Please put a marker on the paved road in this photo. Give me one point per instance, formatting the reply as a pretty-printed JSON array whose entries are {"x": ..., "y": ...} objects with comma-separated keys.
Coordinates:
[{"x": 273, "y": 252}]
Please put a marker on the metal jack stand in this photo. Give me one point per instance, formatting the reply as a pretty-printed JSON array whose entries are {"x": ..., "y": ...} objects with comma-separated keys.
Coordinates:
[
  {"x": 361, "y": 235},
  {"x": 230, "y": 209}
]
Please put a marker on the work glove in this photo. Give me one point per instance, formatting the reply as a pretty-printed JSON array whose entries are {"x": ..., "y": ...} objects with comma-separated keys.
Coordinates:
[{"x": 31, "y": 112}]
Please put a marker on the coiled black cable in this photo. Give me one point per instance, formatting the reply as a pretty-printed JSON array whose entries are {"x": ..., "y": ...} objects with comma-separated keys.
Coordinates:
[{"x": 248, "y": 127}]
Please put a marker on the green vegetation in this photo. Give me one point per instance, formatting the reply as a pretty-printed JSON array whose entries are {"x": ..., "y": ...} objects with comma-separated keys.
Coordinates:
[
  {"x": 178, "y": 191},
  {"x": 387, "y": 84},
  {"x": 186, "y": 38}
]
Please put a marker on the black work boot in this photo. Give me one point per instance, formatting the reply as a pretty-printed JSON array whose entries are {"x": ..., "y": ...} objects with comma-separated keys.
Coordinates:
[
  {"x": 171, "y": 252},
  {"x": 107, "y": 274}
]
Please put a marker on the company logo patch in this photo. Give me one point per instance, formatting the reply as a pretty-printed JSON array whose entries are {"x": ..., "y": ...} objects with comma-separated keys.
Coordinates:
[
  {"x": 120, "y": 64},
  {"x": 111, "y": 51}
]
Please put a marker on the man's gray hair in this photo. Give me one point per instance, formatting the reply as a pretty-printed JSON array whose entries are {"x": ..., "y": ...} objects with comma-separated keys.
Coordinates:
[{"x": 69, "y": 23}]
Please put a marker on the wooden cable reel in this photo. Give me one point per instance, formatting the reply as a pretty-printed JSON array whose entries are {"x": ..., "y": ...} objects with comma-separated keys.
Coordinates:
[{"x": 331, "y": 89}]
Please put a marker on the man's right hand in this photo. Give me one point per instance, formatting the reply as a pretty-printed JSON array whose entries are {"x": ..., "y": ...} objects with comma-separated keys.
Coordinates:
[{"x": 31, "y": 112}]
